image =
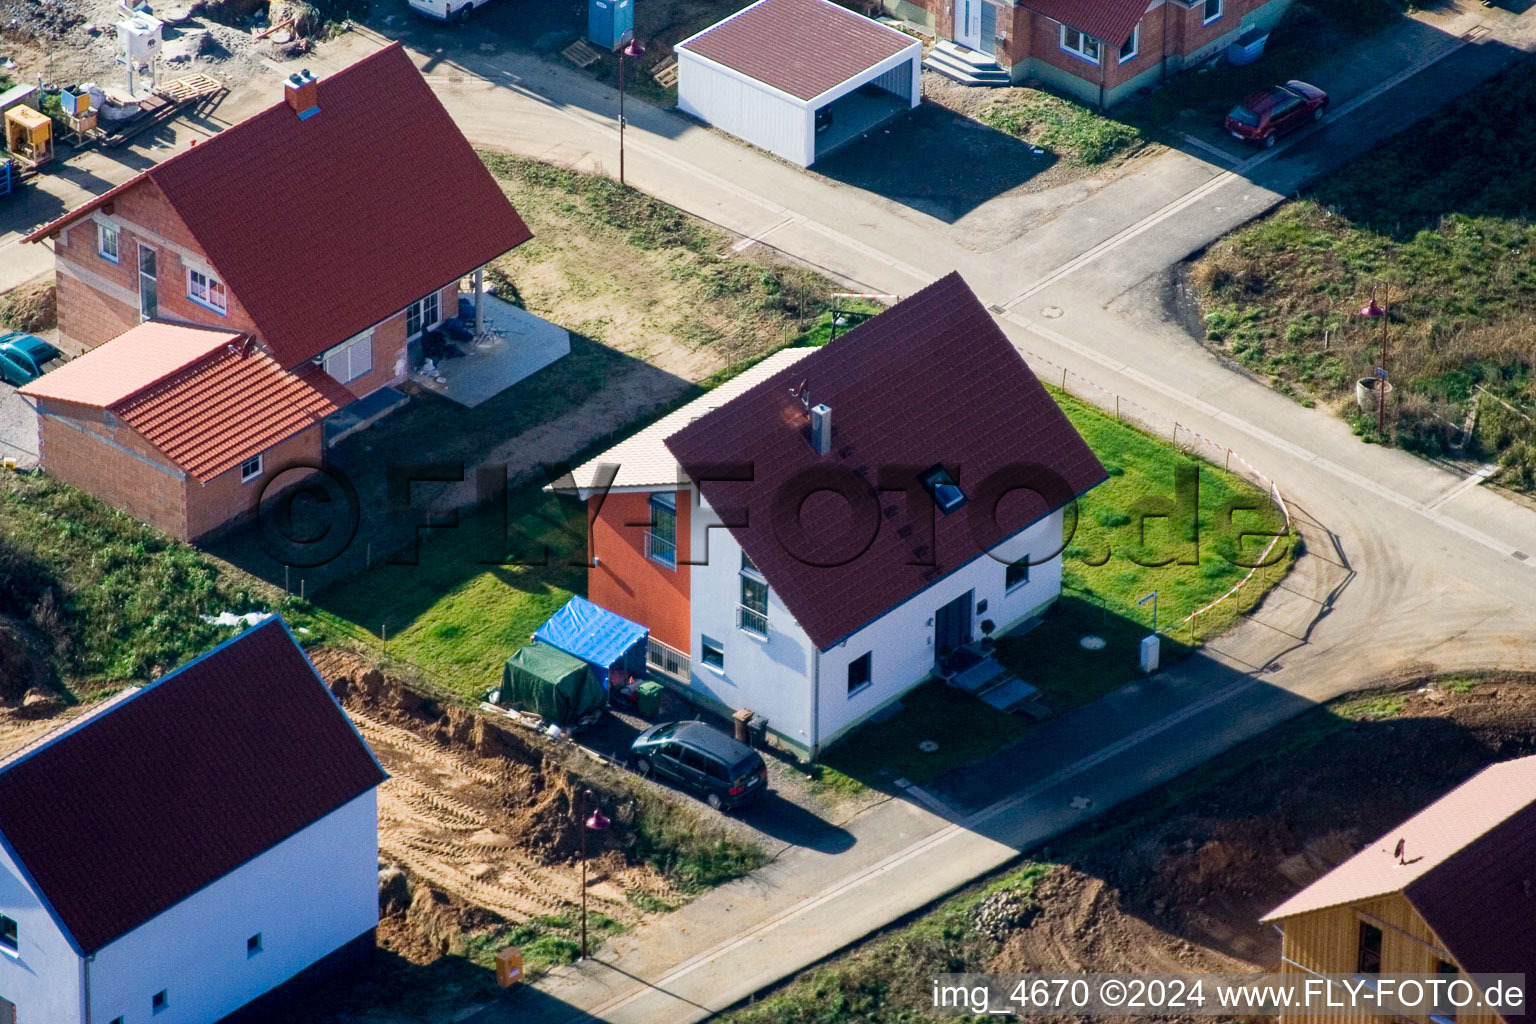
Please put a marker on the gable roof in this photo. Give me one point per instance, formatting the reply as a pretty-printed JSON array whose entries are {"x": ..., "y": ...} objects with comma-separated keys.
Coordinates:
[
  {"x": 1468, "y": 867},
  {"x": 643, "y": 460},
  {"x": 800, "y": 47},
  {"x": 323, "y": 227},
  {"x": 226, "y": 402},
  {"x": 129, "y": 812},
  {"x": 1109, "y": 21},
  {"x": 932, "y": 380}
]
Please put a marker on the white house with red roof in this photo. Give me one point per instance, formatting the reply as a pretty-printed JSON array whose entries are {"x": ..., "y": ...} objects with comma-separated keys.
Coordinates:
[
  {"x": 810, "y": 540},
  {"x": 190, "y": 847},
  {"x": 326, "y": 235}
]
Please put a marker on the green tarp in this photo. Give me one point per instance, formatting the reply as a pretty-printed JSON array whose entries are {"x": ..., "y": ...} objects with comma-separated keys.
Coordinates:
[{"x": 551, "y": 684}]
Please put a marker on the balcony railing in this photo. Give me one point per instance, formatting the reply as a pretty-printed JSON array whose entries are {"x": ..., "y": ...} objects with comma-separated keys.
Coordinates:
[
  {"x": 659, "y": 549},
  {"x": 752, "y": 621},
  {"x": 669, "y": 661}
]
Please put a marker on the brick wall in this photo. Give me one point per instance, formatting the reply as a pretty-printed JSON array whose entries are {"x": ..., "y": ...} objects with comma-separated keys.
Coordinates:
[
  {"x": 88, "y": 317},
  {"x": 224, "y": 502},
  {"x": 628, "y": 583},
  {"x": 78, "y": 448}
]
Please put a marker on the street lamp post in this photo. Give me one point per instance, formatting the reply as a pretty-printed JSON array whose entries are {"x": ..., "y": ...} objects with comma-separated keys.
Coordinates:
[
  {"x": 634, "y": 49},
  {"x": 598, "y": 822},
  {"x": 1379, "y": 311}
]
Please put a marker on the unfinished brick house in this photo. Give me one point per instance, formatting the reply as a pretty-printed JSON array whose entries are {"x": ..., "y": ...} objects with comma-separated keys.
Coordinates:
[
  {"x": 315, "y": 243},
  {"x": 1098, "y": 51}
]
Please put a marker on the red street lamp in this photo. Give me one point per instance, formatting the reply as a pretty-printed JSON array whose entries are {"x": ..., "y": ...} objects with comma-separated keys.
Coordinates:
[
  {"x": 1374, "y": 310},
  {"x": 597, "y": 822},
  {"x": 634, "y": 49}
]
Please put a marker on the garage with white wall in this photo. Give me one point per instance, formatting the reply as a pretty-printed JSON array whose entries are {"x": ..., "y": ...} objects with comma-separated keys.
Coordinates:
[{"x": 798, "y": 78}]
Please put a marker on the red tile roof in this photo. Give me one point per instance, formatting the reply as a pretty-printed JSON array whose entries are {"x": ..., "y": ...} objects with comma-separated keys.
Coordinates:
[
  {"x": 226, "y": 402},
  {"x": 322, "y": 228},
  {"x": 1468, "y": 866},
  {"x": 930, "y": 381},
  {"x": 133, "y": 810},
  {"x": 802, "y": 47},
  {"x": 132, "y": 362},
  {"x": 1110, "y": 21}
]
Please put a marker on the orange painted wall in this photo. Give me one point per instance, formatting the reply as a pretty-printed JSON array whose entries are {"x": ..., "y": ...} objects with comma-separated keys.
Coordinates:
[{"x": 628, "y": 583}]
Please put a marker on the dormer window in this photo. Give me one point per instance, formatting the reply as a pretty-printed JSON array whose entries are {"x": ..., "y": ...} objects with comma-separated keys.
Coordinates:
[{"x": 942, "y": 488}]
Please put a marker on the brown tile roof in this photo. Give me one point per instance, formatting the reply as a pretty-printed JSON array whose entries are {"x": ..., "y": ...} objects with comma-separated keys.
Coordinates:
[
  {"x": 322, "y": 228},
  {"x": 1468, "y": 867},
  {"x": 1110, "y": 21},
  {"x": 802, "y": 47},
  {"x": 931, "y": 380},
  {"x": 133, "y": 810},
  {"x": 225, "y": 403}
]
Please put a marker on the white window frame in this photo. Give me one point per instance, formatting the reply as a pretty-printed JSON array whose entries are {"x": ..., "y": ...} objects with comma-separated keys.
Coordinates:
[
  {"x": 659, "y": 549},
  {"x": 105, "y": 231},
  {"x": 12, "y": 948},
  {"x": 1083, "y": 40},
  {"x": 749, "y": 620},
  {"x": 417, "y": 311},
  {"x": 1010, "y": 588},
  {"x": 705, "y": 643},
  {"x": 247, "y": 474},
  {"x": 1135, "y": 46},
  {"x": 211, "y": 294},
  {"x": 1205, "y": 5},
  {"x": 351, "y": 359}
]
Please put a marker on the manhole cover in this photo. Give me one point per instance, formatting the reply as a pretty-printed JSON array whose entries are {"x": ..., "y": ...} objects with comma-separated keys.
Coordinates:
[
  {"x": 1052, "y": 312},
  {"x": 928, "y": 746},
  {"x": 1092, "y": 643}
]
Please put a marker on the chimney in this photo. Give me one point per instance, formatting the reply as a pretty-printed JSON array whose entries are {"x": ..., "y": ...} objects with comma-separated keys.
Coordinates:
[
  {"x": 302, "y": 94},
  {"x": 821, "y": 428}
]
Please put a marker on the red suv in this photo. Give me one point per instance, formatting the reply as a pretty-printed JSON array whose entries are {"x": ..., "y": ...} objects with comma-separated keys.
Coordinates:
[{"x": 1268, "y": 113}]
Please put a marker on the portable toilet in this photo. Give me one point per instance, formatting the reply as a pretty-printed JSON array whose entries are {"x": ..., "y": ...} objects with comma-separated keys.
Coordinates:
[{"x": 610, "y": 23}]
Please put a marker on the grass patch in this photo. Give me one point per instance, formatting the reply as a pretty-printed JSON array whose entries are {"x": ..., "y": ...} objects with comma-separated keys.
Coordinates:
[
  {"x": 1063, "y": 127},
  {"x": 1112, "y": 561},
  {"x": 692, "y": 858},
  {"x": 1458, "y": 684},
  {"x": 964, "y": 727},
  {"x": 1371, "y": 709},
  {"x": 114, "y": 599},
  {"x": 1444, "y": 214},
  {"x": 889, "y": 979}
]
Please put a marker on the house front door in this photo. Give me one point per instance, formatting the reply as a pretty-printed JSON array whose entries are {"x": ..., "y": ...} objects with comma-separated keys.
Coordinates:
[
  {"x": 952, "y": 625},
  {"x": 968, "y": 23}
]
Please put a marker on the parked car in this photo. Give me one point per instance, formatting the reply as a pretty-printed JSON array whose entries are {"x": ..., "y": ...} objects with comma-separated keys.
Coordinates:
[
  {"x": 1269, "y": 113},
  {"x": 24, "y": 358},
  {"x": 724, "y": 772}
]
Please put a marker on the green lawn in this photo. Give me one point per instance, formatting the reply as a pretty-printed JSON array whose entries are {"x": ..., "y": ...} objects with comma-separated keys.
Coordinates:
[
  {"x": 109, "y": 599},
  {"x": 1060, "y": 125},
  {"x": 1108, "y": 559},
  {"x": 1443, "y": 214}
]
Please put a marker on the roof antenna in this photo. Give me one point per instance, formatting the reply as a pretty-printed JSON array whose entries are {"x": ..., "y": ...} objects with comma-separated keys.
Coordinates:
[{"x": 803, "y": 392}]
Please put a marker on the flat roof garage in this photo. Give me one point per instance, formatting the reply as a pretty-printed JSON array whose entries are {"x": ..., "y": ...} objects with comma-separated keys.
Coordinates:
[{"x": 798, "y": 77}]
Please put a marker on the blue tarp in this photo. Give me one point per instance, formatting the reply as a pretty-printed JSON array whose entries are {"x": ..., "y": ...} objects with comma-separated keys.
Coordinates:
[{"x": 596, "y": 636}]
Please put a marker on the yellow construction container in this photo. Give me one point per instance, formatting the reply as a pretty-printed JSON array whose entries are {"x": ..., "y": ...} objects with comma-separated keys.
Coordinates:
[
  {"x": 509, "y": 967},
  {"x": 29, "y": 135}
]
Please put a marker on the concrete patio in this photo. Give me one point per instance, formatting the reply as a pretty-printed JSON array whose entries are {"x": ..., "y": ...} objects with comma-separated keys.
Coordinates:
[{"x": 515, "y": 346}]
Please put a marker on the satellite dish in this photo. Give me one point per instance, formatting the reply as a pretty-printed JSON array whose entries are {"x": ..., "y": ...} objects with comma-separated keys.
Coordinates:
[{"x": 1401, "y": 845}]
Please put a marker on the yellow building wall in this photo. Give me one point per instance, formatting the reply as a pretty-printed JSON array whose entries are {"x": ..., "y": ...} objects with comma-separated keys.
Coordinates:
[{"x": 1328, "y": 942}]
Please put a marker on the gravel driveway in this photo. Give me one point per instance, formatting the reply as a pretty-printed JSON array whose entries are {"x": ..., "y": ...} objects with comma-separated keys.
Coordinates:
[{"x": 18, "y": 428}]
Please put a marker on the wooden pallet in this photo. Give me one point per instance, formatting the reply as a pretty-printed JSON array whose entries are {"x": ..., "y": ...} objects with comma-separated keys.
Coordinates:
[
  {"x": 580, "y": 54},
  {"x": 665, "y": 73},
  {"x": 189, "y": 87}
]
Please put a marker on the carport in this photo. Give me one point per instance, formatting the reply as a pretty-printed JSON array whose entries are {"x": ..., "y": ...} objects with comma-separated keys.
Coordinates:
[{"x": 798, "y": 77}]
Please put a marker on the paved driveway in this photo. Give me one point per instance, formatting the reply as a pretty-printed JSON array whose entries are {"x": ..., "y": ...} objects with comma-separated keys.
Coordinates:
[{"x": 18, "y": 428}]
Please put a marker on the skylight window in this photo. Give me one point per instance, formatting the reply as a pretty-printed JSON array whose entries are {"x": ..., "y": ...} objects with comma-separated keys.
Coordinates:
[{"x": 942, "y": 488}]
